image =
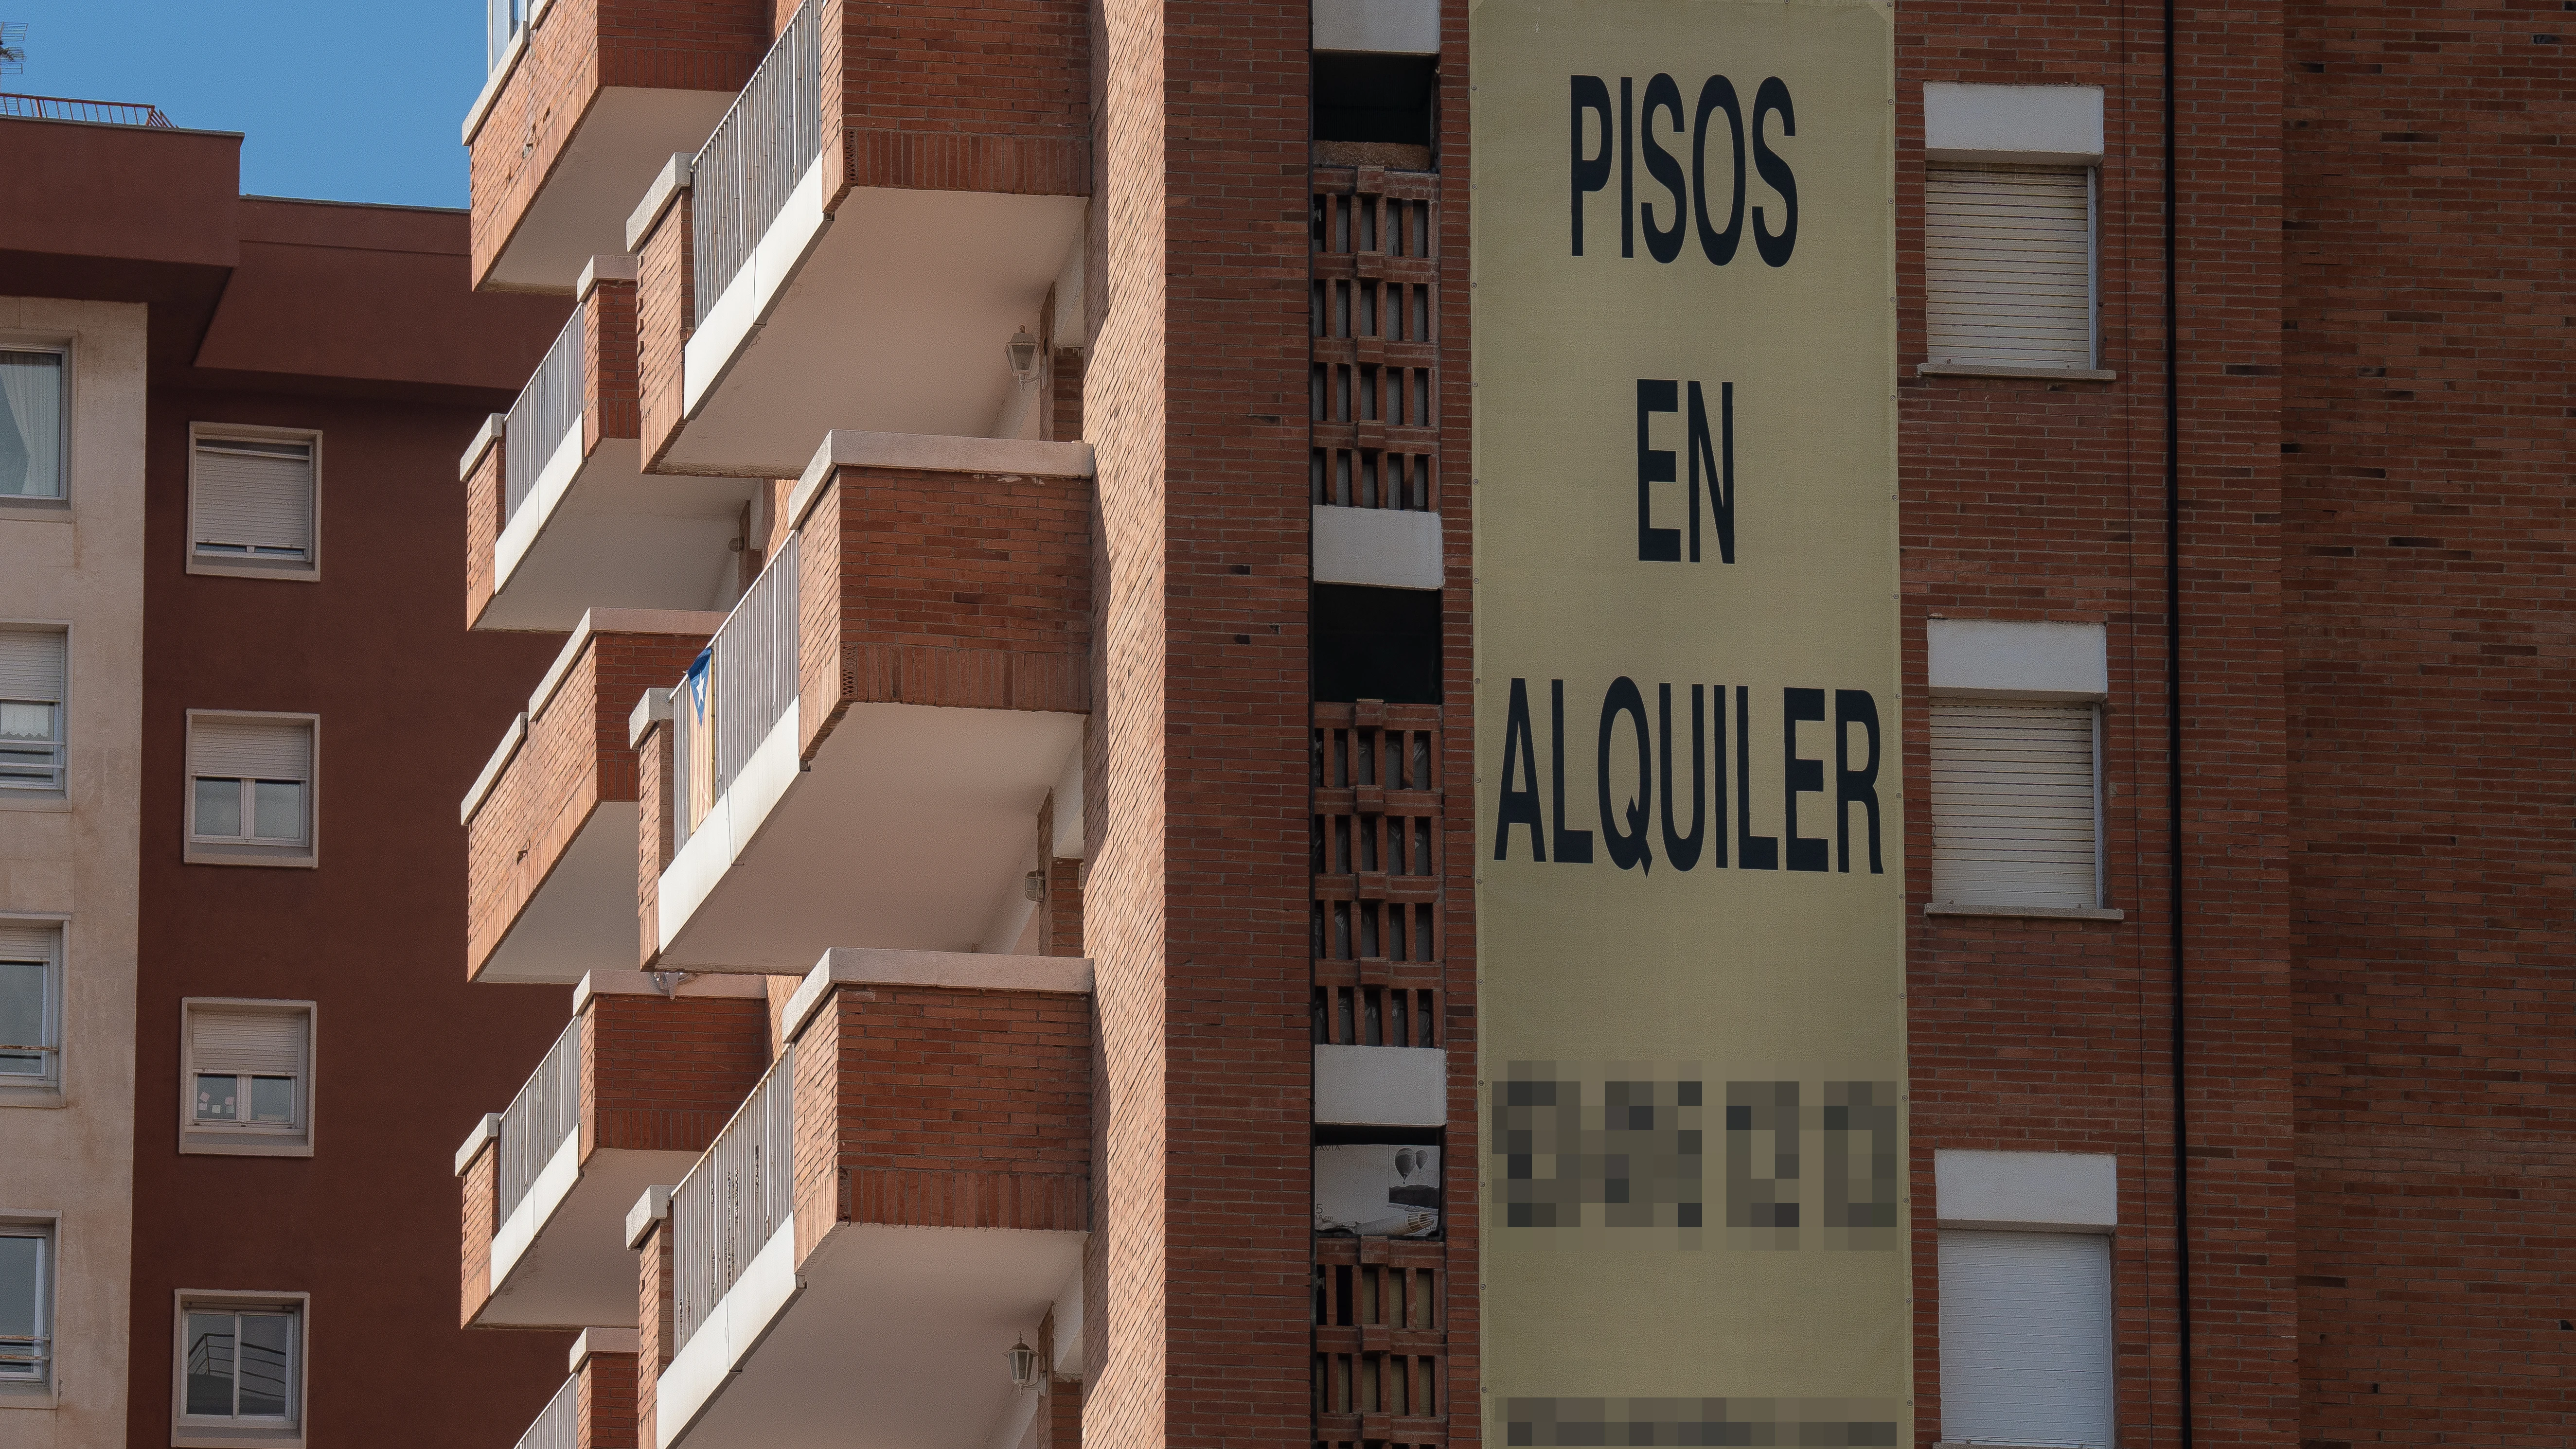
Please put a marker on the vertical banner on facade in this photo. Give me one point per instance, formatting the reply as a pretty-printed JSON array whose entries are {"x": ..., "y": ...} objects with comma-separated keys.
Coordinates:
[{"x": 1691, "y": 901}]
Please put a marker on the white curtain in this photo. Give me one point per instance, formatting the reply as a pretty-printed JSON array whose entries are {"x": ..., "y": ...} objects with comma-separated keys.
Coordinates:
[{"x": 31, "y": 424}]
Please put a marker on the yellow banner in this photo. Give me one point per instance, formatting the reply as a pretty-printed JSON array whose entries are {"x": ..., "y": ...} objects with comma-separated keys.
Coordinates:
[{"x": 1690, "y": 898}]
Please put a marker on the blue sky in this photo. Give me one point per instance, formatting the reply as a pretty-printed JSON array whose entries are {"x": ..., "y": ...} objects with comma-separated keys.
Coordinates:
[{"x": 358, "y": 100}]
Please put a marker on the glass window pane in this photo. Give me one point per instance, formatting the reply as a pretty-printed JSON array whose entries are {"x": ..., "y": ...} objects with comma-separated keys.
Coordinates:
[
  {"x": 210, "y": 1364},
  {"x": 219, "y": 808},
  {"x": 22, "y": 1286},
  {"x": 22, "y": 1017},
  {"x": 218, "y": 1099},
  {"x": 31, "y": 424},
  {"x": 272, "y": 1099},
  {"x": 280, "y": 810},
  {"x": 267, "y": 1342},
  {"x": 20, "y": 720}
]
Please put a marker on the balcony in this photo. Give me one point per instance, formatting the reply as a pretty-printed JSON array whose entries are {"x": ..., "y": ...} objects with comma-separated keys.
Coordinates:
[
  {"x": 630, "y": 1095},
  {"x": 905, "y": 1194},
  {"x": 866, "y": 752},
  {"x": 560, "y": 516},
  {"x": 583, "y": 103},
  {"x": 550, "y": 826},
  {"x": 863, "y": 234},
  {"x": 595, "y": 1408}
]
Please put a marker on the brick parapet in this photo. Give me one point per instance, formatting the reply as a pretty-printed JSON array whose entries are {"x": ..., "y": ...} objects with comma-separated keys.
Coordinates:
[
  {"x": 606, "y": 1417},
  {"x": 665, "y": 315},
  {"x": 991, "y": 99},
  {"x": 483, "y": 500},
  {"x": 610, "y": 403},
  {"x": 665, "y": 1073},
  {"x": 480, "y": 1195},
  {"x": 653, "y": 844},
  {"x": 655, "y": 1323},
  {"x": 577, "y": 49}
]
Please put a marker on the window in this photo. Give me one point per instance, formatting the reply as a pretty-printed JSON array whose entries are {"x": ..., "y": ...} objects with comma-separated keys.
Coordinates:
[
  {"x": 32, "y": 413},
  {"x": 31, "y": 711},
  {"x": 30, "y": 1010},
  {"x": 250, "y": 788},
  {"x": 26, "y": 1308},
  {"x": 2013, "y": 805},
  {"x": 240, "y": 1370},
  {"x": 2008, "y": 266},
  {"x": 2026, "y": 1338},
  {"x": 252, "y": 496},
  {"x": 246, "y": 1075}
]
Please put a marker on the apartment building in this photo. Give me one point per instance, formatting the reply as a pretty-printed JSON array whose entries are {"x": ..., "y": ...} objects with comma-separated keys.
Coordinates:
[
  {"x": 232, "y": 727},
  {"x": 1087, "y": 541}
]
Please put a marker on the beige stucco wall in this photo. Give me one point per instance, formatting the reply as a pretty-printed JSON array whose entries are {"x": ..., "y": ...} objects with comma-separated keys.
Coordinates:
[{"x": 77, "y": 858}]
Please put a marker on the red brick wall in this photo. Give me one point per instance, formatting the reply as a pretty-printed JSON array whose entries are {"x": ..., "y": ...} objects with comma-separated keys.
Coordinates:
[
  {"x": 577, "y": 48},
  {"x": 2029, "y": 499},
  {"x": 480, "y": 1192},
  {"x": 665, "y": 1073},
  {"x": 942, "y": 589},
  {"x": 609, "y": 399},
  {"x": 607, "y": 1417},
  {"x": 653, "y": 849},
  {"x": 575, "y": 757},
  {"x": 665, "y": 315},
  {"x": 654, "y": 1324},
  {"x": 992, "y": 98},
  {"x": 2425, "y": 444},
  {"x": 482, "y": 527}
]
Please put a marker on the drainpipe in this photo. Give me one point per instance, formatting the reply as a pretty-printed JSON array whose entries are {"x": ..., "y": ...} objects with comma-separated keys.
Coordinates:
[{"x": 2173, "y": 735}]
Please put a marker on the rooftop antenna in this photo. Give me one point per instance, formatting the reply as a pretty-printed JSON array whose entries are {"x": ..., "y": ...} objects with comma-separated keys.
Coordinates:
[{"x": 13, "y": 47}]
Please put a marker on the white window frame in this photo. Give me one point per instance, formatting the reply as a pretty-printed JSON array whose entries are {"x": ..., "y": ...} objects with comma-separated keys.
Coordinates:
[
  {"x": 46, "y": 1090},
  {"x": 59, "y": 798},
  {"x": 247, "y": 850},
  {"x": 246, "y": 1139},
  {"x": 55, "y": 507},
  {"x": 38, "y": 1392},
  {"x": 307, "y": 571},
  {"x": 192, "y": 1431}
]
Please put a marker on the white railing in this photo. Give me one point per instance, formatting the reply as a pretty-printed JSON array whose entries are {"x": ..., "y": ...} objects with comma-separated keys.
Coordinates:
[
  {"x": 750, "y": 165},
  {"x": 558, "y": 1424},
  {"x": 724, "y": 1211},
  {"x": 548, "y": 409},
  {"x": 545, "y": 1113},
  {"x": 750, "y": 682}
]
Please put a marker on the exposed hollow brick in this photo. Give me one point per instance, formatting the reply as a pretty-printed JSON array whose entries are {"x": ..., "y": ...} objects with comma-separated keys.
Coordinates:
[
  {"x": 480, "y": 1195},
  {"x": 941, "y": 589},
  {"x": 573, "y": 759},
  {"x": 577, "y": 49},
  {"x": 607, "y": 1405},
  {"x": 665, "y": 1073}
]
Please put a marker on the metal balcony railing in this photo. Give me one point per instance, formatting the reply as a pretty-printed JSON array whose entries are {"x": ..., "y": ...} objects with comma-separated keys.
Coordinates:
[
  {"x": 558, "y": 1424},
  {"x": 63, "y": 108},
  {"x": 749, "y": 682},
  {"x": 545, "y": 1113},
  {"x": 547, "y": 411},
  {"x": 758, "y": 152},
  {"x": 725, "y": 1210}
]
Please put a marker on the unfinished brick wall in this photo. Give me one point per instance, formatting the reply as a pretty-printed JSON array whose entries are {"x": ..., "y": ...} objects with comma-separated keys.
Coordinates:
[
  {"x": 942, "y": 589},
  {"x": 665, "y": 1073},
  {"x": 576, "y": 49},
  {"x": 992, "y": 98},
  {"x": 574, "y": 759}
]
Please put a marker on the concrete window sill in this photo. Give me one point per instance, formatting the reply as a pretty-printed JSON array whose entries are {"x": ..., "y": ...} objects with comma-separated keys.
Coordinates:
[
  {"x": 2037, "y": 913},
  {"x": 2051, "y": 374}
]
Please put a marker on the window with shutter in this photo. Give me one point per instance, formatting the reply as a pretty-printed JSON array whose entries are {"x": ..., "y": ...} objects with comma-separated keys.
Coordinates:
[
  {"x": 30, "y": 1006},
  {"x": 247, "y": 1077},
  {"x": 2026, "y": 1339},
  {"x": 32, "y": 423},
  {"x": 253, "y": 505},
  {"x": 26, "y": 1306},
  {"x": 2013, "y": 805},
  {"x": 250, "y": 782},
  {"x": 2008, "y": 267},
  {"x": 31, "y": 709}
]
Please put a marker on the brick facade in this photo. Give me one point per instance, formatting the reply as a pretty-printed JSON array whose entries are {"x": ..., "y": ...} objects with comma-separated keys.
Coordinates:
[
  {"x": 665, "y": 1073},
  {"x": 987, "y": 99},
  {"x": 606, "y": 1419}
]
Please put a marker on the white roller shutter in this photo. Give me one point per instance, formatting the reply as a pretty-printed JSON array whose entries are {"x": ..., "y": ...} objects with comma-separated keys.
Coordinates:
[
  {"x": 27, "y": 941},
  {"x": 2026, "y": 1339},
  {"x": 31, "y": 665},
  {"x": 254, "y": 496},
  {"x": 232, "y": 749},
  {"x": 247, "y": 1041},
  {"x": 2013, "y": 805},
  {"x": 2008, "y": 267}
]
